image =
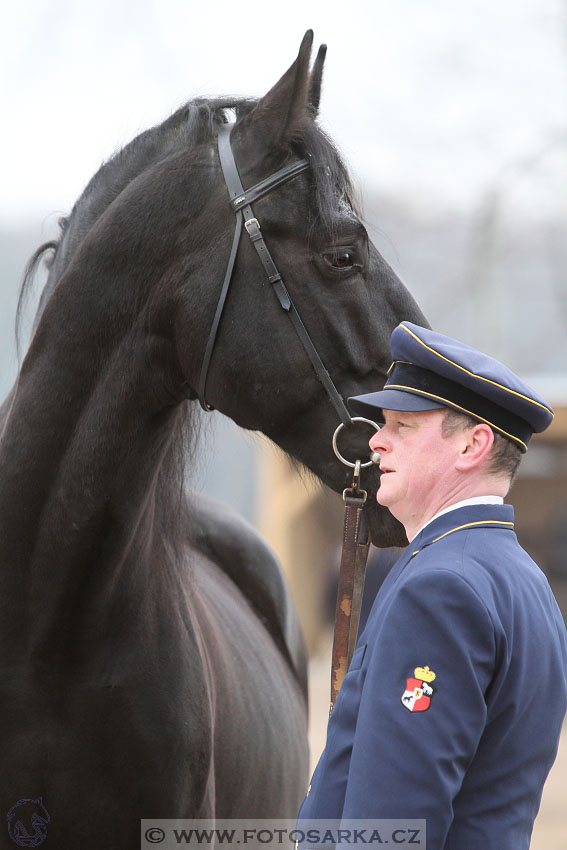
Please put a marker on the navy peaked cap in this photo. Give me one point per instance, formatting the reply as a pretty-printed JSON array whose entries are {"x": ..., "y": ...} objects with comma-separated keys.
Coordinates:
[{"x": 430, "y": 370}]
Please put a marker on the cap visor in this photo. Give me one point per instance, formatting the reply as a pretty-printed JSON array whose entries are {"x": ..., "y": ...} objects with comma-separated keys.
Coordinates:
[{"x": 365, "y": 405}]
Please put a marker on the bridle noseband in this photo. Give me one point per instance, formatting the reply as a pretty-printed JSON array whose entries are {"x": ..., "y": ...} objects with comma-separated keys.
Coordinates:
[{"x": 240, "y": 201}]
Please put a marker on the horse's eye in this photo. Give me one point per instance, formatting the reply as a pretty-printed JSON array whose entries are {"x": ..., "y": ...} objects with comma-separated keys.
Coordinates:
[{"x": 339, "y": 259}]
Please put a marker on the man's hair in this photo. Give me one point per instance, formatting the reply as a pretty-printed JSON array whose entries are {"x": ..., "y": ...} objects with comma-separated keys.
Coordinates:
[{"x": 505, "y": 455}]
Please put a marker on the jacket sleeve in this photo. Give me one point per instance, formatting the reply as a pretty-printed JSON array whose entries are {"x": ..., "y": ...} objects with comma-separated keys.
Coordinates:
[{"x": 411, "y": 763}]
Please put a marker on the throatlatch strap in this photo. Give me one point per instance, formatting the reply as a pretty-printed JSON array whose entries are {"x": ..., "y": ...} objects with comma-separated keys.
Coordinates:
[{"x": 218, "y": 313}]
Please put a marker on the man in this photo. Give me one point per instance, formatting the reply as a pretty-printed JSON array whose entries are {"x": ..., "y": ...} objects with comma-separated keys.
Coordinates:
[{"x": 452, "y": 706}]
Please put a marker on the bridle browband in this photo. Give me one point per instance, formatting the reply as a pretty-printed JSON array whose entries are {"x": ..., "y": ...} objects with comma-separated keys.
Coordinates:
[{"x": 240, "y": 201}]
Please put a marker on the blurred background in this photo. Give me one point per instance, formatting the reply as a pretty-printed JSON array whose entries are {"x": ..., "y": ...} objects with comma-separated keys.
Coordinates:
[{"x": 453, "y": 118}]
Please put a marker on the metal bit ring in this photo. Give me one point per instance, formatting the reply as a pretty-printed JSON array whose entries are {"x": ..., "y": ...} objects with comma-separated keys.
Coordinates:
[{"x": 335, "y": 435}]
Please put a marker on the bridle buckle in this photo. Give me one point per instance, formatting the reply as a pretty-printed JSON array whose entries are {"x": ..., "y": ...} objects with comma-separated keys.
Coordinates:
[{"x": 250, "y": 223}]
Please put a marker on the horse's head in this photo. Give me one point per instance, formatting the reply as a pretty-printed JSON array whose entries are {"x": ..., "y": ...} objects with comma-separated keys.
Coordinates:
[
  {"x": 150, "y": 241},
  {"x": 346, "y": 295}
]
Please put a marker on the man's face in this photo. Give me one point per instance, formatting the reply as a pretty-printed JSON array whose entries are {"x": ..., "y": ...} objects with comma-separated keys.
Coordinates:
[{"x": 417, "y": 464}]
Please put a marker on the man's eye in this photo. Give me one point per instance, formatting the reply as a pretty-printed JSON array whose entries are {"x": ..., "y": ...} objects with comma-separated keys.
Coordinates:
[{"x": 339, "y": 259}]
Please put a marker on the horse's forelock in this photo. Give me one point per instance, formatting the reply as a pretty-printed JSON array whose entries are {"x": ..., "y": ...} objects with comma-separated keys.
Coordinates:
[{"x": 333, "y": 185}]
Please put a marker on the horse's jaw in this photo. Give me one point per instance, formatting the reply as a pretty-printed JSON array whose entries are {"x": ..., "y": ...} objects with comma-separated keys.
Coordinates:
[{"x": 384, "y": 529}]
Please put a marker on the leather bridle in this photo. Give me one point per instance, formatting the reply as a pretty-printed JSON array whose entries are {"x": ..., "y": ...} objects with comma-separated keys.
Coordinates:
[
  {"x": 355, "y": 533},
  {"x": 240, "y": 201}
]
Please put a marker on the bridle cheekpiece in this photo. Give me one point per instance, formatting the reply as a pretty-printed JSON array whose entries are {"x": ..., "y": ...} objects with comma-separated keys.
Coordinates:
[{"x": 240, "y": 201}]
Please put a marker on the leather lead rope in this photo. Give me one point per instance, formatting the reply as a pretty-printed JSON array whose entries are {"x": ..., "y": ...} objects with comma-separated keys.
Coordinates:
[{"x": 354, "y": 555}]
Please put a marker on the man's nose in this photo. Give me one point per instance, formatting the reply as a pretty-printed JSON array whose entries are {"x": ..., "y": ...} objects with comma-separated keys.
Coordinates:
[
  {"x": 379, "y": 441},
  {"x": 375, "y": 441}
]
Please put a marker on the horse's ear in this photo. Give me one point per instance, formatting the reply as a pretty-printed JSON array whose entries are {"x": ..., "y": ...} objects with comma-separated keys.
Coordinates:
[
  {"x": 316, "y": 80},
  {"x": 279, "y": 117}
]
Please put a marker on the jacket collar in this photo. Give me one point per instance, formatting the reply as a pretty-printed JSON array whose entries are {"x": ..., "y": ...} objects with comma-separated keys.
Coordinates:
[{"x": 461, "y": 519}]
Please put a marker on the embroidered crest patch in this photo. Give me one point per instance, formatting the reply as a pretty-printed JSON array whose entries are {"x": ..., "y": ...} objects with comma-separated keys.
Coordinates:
[{"x": 419, "y": 690}]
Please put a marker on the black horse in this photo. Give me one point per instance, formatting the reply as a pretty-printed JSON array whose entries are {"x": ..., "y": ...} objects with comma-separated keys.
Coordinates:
[{"x": 151, "y": 664}]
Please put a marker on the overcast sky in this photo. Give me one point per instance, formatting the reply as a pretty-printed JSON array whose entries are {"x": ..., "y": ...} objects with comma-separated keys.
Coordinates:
[{"x": 428, "y": 101}]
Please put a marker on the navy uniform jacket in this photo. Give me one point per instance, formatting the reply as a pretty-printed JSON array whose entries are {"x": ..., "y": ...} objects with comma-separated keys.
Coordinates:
[{"x": 452, "y": 706}]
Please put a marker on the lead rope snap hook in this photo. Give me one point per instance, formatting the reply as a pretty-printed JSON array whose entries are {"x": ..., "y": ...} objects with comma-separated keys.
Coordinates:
[
  {"x": 354, "y": 491},
  {"x": 356, "y": 477}
]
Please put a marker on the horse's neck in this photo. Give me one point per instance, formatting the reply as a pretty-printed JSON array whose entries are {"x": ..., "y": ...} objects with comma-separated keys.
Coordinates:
[{"x": 80, "y": 453}]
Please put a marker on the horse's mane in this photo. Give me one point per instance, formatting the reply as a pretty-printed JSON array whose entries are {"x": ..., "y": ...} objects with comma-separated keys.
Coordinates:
[
  {"x": 187, "y": 127},
  {"x": 195, "y": 123}
]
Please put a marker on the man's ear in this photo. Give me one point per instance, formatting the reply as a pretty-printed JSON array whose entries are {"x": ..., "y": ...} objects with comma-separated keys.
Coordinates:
[{"x": 477, "y": 442}]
